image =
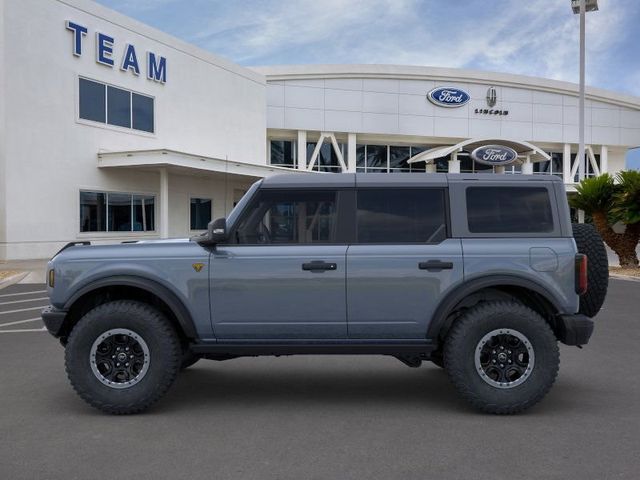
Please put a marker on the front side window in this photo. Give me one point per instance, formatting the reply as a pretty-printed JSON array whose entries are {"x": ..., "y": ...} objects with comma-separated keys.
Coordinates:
[
  {"x": 509, "y": 210},
  {"x": 401, "y": 215},
  {"x": 290, "y": 217},
  {"x": 200, "y": 213},
  {"x": 116, "y": 212},
  {"x": 111, "y": 105}
]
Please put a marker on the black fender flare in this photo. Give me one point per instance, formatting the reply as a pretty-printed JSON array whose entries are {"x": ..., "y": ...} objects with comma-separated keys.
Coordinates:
[
  {"x": 176, "y": 306},
  {"x": 458, "y": 294}
]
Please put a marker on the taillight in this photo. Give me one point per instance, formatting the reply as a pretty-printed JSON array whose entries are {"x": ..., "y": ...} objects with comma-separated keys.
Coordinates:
[{"x": 581, "y": 274}]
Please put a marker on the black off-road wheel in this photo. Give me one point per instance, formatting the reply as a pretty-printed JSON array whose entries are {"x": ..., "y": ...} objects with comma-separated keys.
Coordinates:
[
  {"x": 122, "y": 356},
  {"x": 589, "y": 242},
  {"x": 502, "y": 357}
]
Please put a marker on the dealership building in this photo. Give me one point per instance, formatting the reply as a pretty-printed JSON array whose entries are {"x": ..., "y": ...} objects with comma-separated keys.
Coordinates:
[{"x": 113, "y": 131}]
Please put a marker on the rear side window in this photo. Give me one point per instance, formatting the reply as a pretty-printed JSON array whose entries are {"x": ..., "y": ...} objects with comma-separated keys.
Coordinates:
[
  {"x": 401, "y": 215},
  {"x": 509, "y": 210}
]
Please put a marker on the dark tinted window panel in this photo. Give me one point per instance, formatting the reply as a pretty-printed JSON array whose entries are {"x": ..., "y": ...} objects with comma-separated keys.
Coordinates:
[
  {"x": 398, "y": 157},
  {"x": 92, "y": 101},
  {"x": 401, "y": 216},
  {"x": 142, "y": 112},
  {"x": 377, "y": 156},
  {"x": 293, "y": 217},
  {"x": 93, "y": 212},
  {"x": 118, "y": 107},
  {"x": 509, "y": 210},
  {"x": 119, "y": 212},
  {"x": 200, "y": 213},
  {"x": 144, "y": 213},
  {"x": 282, "y": 153},
  {"x": 360, "y": 156}
]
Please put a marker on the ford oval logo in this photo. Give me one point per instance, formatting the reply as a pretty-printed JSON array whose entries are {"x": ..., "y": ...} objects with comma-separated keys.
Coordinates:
[
  {"x": 494, "y": 155},
  {"x": 448, "y": 97}
]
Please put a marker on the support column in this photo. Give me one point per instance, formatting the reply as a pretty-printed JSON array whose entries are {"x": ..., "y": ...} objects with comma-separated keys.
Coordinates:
[
  {"x": 454, "y": 163},
  {"x": 604, "y": 159},
  {"x": 499, "y": 169},
  {"x": 432, "y": 167},
  {"x": 580, "y": 216},
  {"x": 566, "y": 164},
  {"x": 351, "y": 152},
  {"x": 164, "y": 203},
  {"x": 302, "y": 150},
  {"x": 527, "y": 166}
]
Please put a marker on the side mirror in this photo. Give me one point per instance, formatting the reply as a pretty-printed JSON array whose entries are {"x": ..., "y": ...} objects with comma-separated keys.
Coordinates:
[{"x": 217, "y": 231}]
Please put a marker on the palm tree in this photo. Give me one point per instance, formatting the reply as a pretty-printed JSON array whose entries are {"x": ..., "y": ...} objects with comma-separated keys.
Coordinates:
[{"x": 609, "y": 202}]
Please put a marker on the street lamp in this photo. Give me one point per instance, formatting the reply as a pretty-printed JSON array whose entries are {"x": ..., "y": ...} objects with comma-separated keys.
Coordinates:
[{"x": 580, "y": 7}]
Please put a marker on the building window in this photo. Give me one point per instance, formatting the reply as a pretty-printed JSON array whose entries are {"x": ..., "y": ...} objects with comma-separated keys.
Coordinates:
[
  {"x": 283, "y": 153},
  {"x": 327, "y": 160},
  {"x": 387, "y": 158},
  {"x": 111, "y": 105},
  {"x": 200, "y": 213},
  {"x": 116, "y": 212},
  {"x": 401, "y": 216},
  {"x": 550, "y": 167}
]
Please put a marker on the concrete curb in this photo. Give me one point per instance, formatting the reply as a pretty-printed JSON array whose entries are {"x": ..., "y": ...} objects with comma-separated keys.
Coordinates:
[
  {"x": 624, "y": 277},
  {"x": 13, "y": 279}
]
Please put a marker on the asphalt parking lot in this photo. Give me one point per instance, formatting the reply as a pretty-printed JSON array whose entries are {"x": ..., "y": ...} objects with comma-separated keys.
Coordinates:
[{"x": 320, "y": 417}]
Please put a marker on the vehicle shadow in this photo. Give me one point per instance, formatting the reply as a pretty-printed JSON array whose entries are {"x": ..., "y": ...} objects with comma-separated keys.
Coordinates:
[{"x": 214, "y": 386}]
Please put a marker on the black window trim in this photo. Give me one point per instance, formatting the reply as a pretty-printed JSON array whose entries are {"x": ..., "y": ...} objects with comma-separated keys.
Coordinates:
[
  {"x": 447, "y": 215},
  {"x": 105, "y": 124}
]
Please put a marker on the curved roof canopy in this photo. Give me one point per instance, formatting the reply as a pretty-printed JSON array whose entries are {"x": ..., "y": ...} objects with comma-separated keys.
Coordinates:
[{"x": 522, "y": 148}]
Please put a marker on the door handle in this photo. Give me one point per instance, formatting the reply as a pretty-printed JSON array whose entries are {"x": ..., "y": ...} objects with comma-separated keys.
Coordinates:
[
  {"x": 435, "y": 265},
  {"x": 319, "y": 266}
]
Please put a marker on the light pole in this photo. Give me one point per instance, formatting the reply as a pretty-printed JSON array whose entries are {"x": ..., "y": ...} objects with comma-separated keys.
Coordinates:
[{"x": 580, "y": 7}]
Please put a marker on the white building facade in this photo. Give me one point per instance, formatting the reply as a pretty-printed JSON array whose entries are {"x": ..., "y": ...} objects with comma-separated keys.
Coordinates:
[{"x": 113, "y": 131}]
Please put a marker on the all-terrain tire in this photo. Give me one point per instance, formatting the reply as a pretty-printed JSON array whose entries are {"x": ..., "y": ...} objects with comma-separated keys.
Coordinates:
[
  {"x": 590, "y": 243},
  {"x": 464, "y": 339},
  {"x": 164, "y": 356}
]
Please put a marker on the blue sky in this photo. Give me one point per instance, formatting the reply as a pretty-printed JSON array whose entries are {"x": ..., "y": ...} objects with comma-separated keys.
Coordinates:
[{"x": 530, "y": 37}]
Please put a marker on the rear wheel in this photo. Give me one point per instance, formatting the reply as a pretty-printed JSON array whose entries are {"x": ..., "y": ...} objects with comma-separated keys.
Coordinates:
[
  {"x": 122, "y": 356},
  {"x": 502, "y": 357},
  {"x": 590, "y": 243}
]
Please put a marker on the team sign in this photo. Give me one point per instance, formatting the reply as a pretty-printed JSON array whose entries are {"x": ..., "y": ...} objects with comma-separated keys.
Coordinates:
[{"x": 156, "y": 64}]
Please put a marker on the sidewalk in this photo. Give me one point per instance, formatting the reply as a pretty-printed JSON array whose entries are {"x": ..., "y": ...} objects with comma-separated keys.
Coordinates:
[{"x": 36, "y": 270}]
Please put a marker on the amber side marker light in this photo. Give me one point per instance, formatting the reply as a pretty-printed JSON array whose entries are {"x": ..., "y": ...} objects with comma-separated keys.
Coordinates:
[{"x": 52, "y": 278}]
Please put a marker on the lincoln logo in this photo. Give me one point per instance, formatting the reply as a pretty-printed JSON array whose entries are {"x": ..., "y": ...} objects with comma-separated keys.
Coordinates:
[
  {"x": 492, "y": 97},
  {"x": 448, "y": 97},
  {"x": 494, "y": 155}
]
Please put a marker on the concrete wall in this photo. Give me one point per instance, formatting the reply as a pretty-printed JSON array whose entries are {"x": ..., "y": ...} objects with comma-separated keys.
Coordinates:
[
  {"x": 208, "y": 106},
  {"x": 391, "y": 100}
]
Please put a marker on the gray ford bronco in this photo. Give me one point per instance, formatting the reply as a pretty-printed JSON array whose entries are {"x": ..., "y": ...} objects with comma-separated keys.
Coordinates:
[{"x": 480, "y": 274}]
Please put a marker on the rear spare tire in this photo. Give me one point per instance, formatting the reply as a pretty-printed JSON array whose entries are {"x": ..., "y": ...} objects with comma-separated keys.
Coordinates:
[{"x": 590, "y": 243}]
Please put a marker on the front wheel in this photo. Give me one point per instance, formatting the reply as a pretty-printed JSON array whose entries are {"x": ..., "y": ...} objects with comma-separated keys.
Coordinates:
[
  {"x": 502, "y": 357},
  {"x": 122, "y": 356}
]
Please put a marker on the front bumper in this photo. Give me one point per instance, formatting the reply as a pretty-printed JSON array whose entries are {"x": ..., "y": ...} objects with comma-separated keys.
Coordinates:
[
  {"x": 574, "y": 329},
  {"x": 54, "y": 320}
]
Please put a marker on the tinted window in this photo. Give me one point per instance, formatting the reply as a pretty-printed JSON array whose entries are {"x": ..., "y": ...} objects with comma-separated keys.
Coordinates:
[
  {"x": 119, "y": 205},
  {"x": 92, "y": 101},
  {"x": 93, "y": 212},
  {"x": 118, "y": 107},
  {"x": 401, "y": 215},
  {"x": 509, "y": 210},
  {"x": 282, "y": 217},
  {"x": 143, "y": 213},
  {"x": 142, "y": 112},
  {"x": 200, "y": 213}
]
